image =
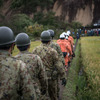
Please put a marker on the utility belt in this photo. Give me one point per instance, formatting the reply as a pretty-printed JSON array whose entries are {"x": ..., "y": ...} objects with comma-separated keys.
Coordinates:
[{"x": 64, "y": 54}]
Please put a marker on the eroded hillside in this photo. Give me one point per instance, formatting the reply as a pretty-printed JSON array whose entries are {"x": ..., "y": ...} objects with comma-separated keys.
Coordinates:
[{"x": 83, "y": 11}]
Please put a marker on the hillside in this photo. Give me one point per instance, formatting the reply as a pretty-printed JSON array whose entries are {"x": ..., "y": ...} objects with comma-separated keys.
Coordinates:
[{"x": 83, "y": 11}]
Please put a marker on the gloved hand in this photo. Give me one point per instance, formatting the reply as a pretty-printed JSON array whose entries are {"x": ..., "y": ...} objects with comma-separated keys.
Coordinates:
[
  {"x": 43, "y": 92},
  {"x": 64, "y": 81}
]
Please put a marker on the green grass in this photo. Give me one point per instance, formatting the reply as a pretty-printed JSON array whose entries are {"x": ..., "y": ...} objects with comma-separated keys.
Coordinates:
[{"x": 90, "y": 52}]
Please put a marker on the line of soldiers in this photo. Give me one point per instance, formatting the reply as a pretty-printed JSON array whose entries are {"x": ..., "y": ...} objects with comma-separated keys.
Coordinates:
[{"x": 30, "y": 76}]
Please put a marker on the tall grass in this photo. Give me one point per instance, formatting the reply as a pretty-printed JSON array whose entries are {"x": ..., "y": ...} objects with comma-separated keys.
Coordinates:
[{"x": 90, "y": 53}]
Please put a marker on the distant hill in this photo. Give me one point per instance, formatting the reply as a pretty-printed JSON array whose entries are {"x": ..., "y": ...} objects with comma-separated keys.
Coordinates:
[{"x": 83, "y": 11}]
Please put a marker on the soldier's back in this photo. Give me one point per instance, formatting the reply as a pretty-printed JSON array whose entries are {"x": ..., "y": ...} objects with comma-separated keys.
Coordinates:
[
  {"x": 58, "y": 49},
  {"x": 47, "y": 54},
  {"x": 33, "y": 63},
  {"x": 14, "y": 79}
]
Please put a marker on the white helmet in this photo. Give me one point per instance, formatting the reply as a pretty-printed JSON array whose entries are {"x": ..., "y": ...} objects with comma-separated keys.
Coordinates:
[
  {"x": 62, "y": 36},
  {"x": 66, "y": 37},
  {"x": 64, "y": 33},
  {"x": 69, "y": 32}
]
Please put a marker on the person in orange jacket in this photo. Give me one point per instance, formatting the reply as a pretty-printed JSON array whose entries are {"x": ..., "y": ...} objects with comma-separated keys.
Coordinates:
[
  {"x": 70, "y": 50},
  {"x": 71, "y": 37},
  {"x": 64, "y": 48},
  {"x": 71, "y": 40},
  {"x": 68, "y": 41}
]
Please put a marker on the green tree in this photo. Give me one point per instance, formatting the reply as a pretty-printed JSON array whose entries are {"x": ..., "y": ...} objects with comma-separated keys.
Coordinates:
[{"x": 19, "y": 21}]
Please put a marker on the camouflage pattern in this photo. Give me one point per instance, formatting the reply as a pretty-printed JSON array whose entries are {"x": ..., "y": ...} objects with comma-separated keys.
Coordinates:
[
  {"x": 58, "y": 49},
  {"x": 36, "y": 70},
  {"x": 51, "y": 62},
  {"x": 50, "y": 59},
  {"x": 15, "y": 82},
  {"x": 61, "y": 60}
]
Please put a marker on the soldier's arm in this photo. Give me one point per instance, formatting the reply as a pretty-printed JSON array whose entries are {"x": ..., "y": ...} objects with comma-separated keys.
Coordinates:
[
  {"x": 26, "y": 84},
  {"x": 42, "y": 75}
]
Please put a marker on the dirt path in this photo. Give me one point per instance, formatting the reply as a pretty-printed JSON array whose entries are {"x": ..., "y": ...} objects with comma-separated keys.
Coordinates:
[{"x": 61, "y": 86}]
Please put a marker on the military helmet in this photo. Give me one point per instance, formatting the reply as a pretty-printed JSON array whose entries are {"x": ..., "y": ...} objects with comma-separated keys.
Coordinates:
[
  {"x": 6, "y": 36},
  {"x": 45, "y": 36},
  {"x": 22, "y": 39},
  {"x": 51, "y": 32}
]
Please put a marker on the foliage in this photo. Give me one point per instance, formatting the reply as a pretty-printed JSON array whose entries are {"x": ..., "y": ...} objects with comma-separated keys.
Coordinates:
[
  {"x": 31, "y": 5},
  {"x": 34, "y": 30},
  {"x": 19, "y": 21},
  {"x": 46, "y": 19},
  {"x": 1, "y": 3},
  {"x": 76, "y": 25},
  {"x": 90, "y": 52}
]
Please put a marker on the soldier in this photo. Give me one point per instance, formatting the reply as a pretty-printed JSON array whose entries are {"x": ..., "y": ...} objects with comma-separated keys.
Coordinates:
[
  {"x": 33, "y": 62},
  {"x": 15, "y": 82},
  {"x": 60, "y": 55},
  {"x": 56, "y": 47},
  {"x": 51, "y": 62}
]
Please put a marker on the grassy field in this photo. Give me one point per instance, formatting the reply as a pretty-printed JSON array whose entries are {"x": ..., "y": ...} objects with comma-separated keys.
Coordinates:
[
  {"x": 84, "y": 85},
  {"x": 90, "y": 55}
]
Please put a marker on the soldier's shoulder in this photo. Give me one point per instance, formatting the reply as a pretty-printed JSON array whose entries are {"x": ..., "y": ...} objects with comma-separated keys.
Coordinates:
[
  {"x": 35, "y": 56},
  {"x": 13, "y": 62},
  {"x": 54, "y": 44},
  {"x": 37, "y": 48},
  {"x": 52, "y": 50}
]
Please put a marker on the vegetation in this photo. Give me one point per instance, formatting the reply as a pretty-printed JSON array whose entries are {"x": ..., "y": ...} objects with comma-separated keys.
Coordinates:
[
  {"x": 31, "y": 6},
  {"x": 40, "y": 21},
  {"x": 18, "y": 22},
  {"x": 90, "y": 56},
  {"x": 1, "y": 2},
  {"x": 34, "y": 30}
]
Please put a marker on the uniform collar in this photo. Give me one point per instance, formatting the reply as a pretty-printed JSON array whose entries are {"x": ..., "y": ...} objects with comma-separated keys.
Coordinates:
[
  {"x": 44, "y": 44},
  {"x": 4, "y": 53},
  {"x": 24, "y": 52}
]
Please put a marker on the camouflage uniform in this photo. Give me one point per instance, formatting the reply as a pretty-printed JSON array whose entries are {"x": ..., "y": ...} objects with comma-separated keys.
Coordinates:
[
  {"x": 50, "y": 60},
  {"x": 61, "y": 59},
  {"x": 36, "y": 70},
  {"x": 58, "y": 49},
  {"x": 15, "y": 82}
]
